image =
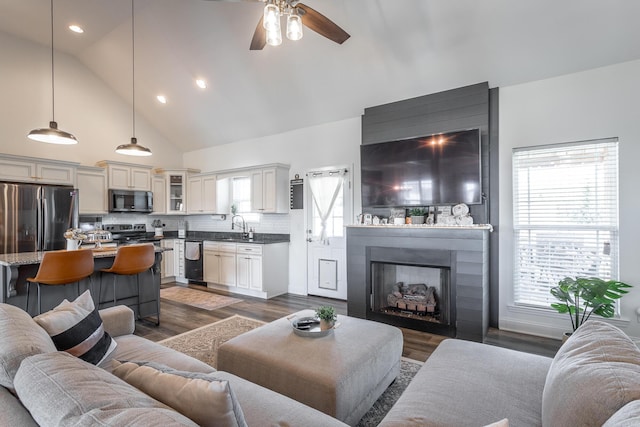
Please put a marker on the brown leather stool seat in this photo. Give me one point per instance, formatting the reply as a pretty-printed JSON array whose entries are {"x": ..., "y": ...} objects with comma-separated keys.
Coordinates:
[
  {"x": 61, "y": 268},
  {"x": 133, "y": 260}
]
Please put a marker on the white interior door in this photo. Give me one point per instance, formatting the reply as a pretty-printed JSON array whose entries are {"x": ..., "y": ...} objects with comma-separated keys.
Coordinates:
[{"x": 328, "y": 208}]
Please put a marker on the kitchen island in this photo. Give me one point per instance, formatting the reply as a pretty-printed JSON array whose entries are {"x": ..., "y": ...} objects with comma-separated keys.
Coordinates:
[{"x": 16, "y": 268}]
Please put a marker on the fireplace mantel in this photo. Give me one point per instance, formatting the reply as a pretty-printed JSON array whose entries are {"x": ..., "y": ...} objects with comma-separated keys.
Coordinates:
[{"x": 469, "y": 246}]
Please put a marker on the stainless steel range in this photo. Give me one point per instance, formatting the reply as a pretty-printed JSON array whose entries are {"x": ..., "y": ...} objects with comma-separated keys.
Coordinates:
[{"x": 125, "y": 234}]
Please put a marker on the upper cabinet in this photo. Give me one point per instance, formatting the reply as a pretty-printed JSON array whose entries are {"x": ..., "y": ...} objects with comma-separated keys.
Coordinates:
[
  {"x": 202, "y": 194},
  {"x": 28, "y": 169},
  {"x": 270, "y": 190},
  {"x": 175, "y": 197},
  {"x": 92, "y": 185},
  {"x": 158, "y": 186},
  {"x": 125, "y": 176}
]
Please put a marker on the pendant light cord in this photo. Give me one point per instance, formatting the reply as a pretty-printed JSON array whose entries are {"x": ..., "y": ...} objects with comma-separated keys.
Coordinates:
[
  {"x": 53, "y": 90},
  {"x": 133, "y": 68}
]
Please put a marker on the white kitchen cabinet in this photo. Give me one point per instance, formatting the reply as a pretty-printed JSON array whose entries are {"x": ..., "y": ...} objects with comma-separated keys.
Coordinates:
[
  {"x": 249, "y": 266},
  {"x": 178, "y": 260},
  {"x": 168, "y": 261},
  {"x": 175, "y": 190},
  {"x": 158, "y": 186},
  {"x": 91, "y": 183},
  {"x": 126, "y": 176},
  {"x": 219, "y": 263},
  {"x": 201, "y": 194},
  {"x": 270, "y": 189},
  {"x": 31, "y": 169}
]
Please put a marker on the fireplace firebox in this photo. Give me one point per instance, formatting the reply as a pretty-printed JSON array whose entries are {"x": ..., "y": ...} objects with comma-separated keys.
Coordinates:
[{"x": 411, "y": 291}]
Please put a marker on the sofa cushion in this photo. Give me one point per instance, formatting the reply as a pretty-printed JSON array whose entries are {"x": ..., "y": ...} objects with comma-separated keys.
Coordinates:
[
  {"x": 201, "y": 397},
  {"x": 466, "y": 383},
  {"x": 20, "y": 337},
  {"x": 627, "y": 416},
  {"x": 76, "y": 327},
  {"x": 594, "y": 374},
  {"x": 59, "y": 389}
]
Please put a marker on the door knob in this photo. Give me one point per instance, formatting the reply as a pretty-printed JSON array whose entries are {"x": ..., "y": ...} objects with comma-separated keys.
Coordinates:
[{"x": 309, "y": 239}]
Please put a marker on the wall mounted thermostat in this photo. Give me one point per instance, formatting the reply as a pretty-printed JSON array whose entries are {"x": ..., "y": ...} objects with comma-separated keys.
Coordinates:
[{"x": 295, "y": 193}]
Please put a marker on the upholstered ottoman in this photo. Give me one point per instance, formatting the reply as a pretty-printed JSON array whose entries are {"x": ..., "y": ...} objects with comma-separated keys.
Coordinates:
[{"x": 341, "y": 374}]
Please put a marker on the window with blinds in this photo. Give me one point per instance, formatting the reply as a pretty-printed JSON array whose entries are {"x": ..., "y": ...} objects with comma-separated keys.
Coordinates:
[{"x": 565, "y": 216}]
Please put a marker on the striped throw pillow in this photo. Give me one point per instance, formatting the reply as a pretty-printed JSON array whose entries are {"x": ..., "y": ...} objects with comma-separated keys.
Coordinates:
[{"x": 76, "y": 327}]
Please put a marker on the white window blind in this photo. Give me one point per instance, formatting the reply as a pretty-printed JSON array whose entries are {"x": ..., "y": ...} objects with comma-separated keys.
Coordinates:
[{"x": 565, "y": 216}]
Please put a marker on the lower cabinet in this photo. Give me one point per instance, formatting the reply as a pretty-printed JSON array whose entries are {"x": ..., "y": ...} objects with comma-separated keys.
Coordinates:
[
  {"x": 167, "y": 273},
  {"x": 219, "y": 263},
  {"x": 250, "y": 269}
]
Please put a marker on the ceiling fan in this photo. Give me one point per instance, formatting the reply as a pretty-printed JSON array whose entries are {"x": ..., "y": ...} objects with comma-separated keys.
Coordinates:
[{"x": 298, "y": 14}]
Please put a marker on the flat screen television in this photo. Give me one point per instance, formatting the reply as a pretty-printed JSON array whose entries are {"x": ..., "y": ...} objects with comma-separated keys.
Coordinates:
[{"x": 443, "y": 169}]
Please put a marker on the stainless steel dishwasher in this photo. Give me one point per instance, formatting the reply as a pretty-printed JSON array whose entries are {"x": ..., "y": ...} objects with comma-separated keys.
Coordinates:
[{"x": 193, "y": 260}]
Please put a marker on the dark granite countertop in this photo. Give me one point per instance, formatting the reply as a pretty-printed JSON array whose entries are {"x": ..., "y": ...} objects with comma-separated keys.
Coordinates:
[
  {"x": 26, "y": 258},
  {"x": 218, "y": 236}
]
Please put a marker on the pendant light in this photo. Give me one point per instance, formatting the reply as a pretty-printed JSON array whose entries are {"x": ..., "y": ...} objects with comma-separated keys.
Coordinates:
[
  {"x": 52, "y": 134},
  {"x": 133, "y": 149}
]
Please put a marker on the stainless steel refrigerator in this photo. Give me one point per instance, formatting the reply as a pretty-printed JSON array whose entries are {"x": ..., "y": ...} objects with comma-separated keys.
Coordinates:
[{"x": 34, "y": 217}]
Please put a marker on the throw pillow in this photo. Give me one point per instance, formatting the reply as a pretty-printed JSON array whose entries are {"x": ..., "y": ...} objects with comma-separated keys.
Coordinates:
[
  {"x": 76, "y": 327},
  {"x": 594, "y": 374},
  {"x": 61, "y": 390},
  {"x": 20, "y": 337},
  {"x": 201, "y": 397}
]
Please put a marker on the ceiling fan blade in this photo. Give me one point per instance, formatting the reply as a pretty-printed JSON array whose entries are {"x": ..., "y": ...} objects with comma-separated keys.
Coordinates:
[
  {"x": 321, "y": 24},
  {"x": 259, "y": 39}
]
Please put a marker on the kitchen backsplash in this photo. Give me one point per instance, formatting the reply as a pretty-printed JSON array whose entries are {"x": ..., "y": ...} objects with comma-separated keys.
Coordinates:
[{"x": 264, "y": 223}]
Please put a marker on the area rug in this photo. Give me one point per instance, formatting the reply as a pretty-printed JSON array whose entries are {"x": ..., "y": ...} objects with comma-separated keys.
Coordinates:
[
  {"x": 200, "y": 299},
  {"x": 203, "y": 344}
]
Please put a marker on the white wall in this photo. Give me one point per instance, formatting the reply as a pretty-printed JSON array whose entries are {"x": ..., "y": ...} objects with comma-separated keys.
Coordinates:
[
  {"x": 593, "y": 104},
  {"x": 331, "y": 144},
  {"x": 84, "y": 106}
]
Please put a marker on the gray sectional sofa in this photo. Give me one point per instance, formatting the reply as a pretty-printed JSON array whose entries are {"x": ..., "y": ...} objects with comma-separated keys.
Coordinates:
[
  {"x": 594, "y": 380},
  {"x": 60, "y": 389}
]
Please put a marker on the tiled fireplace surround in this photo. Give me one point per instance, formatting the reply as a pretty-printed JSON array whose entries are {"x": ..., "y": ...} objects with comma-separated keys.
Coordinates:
[{"x": 463, "y": 250}]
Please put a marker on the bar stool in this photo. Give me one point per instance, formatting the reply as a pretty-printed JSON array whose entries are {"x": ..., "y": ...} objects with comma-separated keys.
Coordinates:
[
  {"x": 61, "y": 268},
  {"x": 132, "y": 260}
]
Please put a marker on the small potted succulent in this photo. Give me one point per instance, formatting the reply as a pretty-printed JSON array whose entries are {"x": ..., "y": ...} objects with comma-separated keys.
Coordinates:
[
  {"x": 583, "y": 296},
  {"x": 327, "y": 316},
  {"x": 417, "y": 215}
]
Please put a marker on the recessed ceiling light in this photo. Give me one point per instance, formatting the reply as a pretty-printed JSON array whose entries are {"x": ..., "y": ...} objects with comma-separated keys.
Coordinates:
[
  {"x": 201, "y": 83},
  {"x": 162, "y": 99},
  {"x": 76, "y": 29}
]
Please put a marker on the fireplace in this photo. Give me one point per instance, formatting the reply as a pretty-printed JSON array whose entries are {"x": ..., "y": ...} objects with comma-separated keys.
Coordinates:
[
  {"x": 411, "y": 291},
  {"x": 433, "y": 279},
  {"x": 411, "y": 288}
]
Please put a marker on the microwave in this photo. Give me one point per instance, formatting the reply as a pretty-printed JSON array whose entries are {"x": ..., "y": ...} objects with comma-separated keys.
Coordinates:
[{"x": 130, "y": 201}]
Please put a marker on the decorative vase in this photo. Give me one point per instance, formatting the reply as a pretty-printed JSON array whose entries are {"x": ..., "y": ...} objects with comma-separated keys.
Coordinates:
[
  {"x": 417, "y": 219},
  {"x": 72, "y": 244},
  {"x": 326, "y": 324}
]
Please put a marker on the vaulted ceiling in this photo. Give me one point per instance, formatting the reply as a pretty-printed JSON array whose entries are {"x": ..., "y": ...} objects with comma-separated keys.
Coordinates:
[{"x": 398, "y": 49}]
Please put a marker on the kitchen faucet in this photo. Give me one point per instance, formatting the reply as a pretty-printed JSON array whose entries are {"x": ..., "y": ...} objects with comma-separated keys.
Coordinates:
[{"x": 244, "y": 225}]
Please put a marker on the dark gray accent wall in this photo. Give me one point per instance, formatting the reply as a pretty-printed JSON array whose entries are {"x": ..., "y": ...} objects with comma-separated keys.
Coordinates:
[{"x": 468, "y": 107}]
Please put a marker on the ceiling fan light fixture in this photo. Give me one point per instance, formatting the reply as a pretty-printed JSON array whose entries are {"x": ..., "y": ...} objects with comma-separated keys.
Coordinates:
[
  {"x": 52, "y": 135},
  {"x": 133, "y": 149},
  {"x": 271, "y": 19},
  {"x": 274, "y": 37},
  {"x": 294, "y": 26}
]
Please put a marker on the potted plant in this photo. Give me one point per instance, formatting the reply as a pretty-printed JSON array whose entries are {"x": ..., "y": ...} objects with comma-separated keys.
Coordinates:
[
  {"x": 417, "y": 215},
  {"x": 327, "y": 316},
  {"x": 583, "y": 296}
]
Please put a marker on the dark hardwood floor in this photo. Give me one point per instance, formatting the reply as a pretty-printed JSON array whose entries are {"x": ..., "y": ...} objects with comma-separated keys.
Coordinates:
[{"x": 177, "y": 318}]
